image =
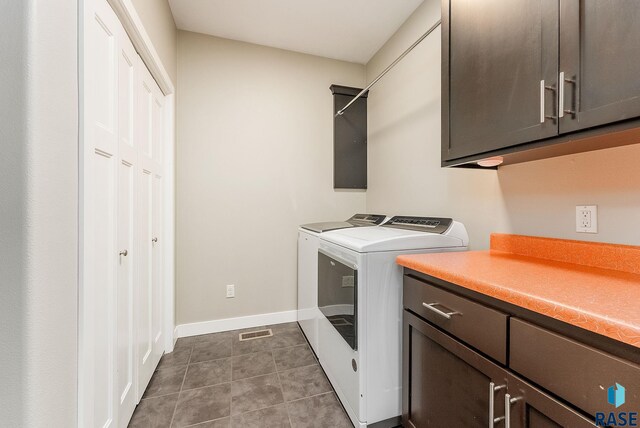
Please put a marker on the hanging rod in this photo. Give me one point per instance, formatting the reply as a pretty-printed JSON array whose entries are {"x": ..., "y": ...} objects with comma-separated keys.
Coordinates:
[{"x": 386, "y": 70}]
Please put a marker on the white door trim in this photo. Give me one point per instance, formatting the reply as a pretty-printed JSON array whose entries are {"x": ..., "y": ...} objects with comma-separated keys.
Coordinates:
[
  {"x": 132, "y": 24},
  {"x": 168, "y": 216}
]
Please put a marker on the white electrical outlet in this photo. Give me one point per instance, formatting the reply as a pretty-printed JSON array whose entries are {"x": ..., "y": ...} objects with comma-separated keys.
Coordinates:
[
  {"x": 347, "y": 281},
  {"x": 587, "y": 218},
  {"x": 231, "y": 291}
]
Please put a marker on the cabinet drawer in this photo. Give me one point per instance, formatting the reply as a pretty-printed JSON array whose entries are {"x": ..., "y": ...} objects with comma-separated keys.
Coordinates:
[
  {"x": 578, "y": 373},
  {"x": 480, "y": 326}
]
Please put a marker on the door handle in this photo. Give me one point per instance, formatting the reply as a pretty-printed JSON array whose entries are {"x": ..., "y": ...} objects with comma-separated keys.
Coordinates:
[
  {"x": 544, "y": 88},
  {"x": 154, "y": 240},
  {"x": 492, "y": 395},
  {"x": 508, "y": 401},
  {"x": 447, "y": 315},
  {"x": 123, "y": 253},
  {"x": 561, "y": 82}
]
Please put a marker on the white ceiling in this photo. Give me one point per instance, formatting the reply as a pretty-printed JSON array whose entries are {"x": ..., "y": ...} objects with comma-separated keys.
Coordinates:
[{"x": 349, "y": 30}]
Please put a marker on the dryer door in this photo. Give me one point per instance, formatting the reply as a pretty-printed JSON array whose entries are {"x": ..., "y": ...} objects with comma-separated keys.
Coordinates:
[{"x": 338, "y": 295}]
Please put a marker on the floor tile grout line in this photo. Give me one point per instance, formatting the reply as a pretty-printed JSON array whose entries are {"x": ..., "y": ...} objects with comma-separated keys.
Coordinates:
[
  {"x": 207, "y": 421},
  {"x": 266, "y": 407},
  {"x": 203, "y": 387},
  {"x": 251, "y": 377},
  {"x": 261, "y": 408},
  {"x": 159, "y": 396},
  {"x": 286, "y": 407},
  {"x": 240, "y": 355},
  {"x": 208, "y": 361},
  {"x": 183, "y": 378},
  {"x": 206, "y": 386},
  {"x": 243, "y": 330},
  {"x": 229, "y": 381},
  {"x": 314, "y": 395},
  {"x": 315, "y": 363},
  {"x": 285, "y": 403},
  {"x": 175, "y": 407},
  {"x": 277, "y": 372},
  {"x": 179, "y": 394}
]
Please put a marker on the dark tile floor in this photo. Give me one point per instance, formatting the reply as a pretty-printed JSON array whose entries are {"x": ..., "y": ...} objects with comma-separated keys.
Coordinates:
[{"x": 217, "y": 381}]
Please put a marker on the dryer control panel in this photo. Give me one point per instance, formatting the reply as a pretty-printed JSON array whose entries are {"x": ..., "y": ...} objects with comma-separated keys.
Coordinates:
[{"x": 423, "y": 224}]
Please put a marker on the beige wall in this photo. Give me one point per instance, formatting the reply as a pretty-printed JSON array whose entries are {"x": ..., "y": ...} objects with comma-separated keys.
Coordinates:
[
  {"x": 541, "y": 197},
  {"x": 404, "y": 139},
  {"x": 254, "y": 160},
  {"x": 38, "y": 214},
  {"x": 158, "y": 22},
  {"x": 535, "y": 198}
]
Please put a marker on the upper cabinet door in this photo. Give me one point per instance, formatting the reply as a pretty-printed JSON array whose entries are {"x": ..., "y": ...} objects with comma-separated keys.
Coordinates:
[
  {"x": 599, "y": 59},
  {"x": 500, "y": 80}
]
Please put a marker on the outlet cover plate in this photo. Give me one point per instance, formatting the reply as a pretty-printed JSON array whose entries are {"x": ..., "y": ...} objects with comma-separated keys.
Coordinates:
[
  {"x": 231, "y": 291},
  {"x": 587, "y": 218}
]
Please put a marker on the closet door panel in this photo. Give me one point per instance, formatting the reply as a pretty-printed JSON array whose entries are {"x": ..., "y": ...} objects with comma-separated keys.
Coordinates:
[
  {"x": 126, "y": 263},
  {"x": 156, "y": 261},
  {"x": 150, "y": 300},
  {"x": 144, "y": 308},
  {"x": 102, "y": 289},
  {"x": 100, "y": 280},
  {"x": 127, "y": 156}
]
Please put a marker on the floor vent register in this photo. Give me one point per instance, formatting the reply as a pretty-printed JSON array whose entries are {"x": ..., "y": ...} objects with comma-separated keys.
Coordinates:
[{"x": 258, "y": 334}]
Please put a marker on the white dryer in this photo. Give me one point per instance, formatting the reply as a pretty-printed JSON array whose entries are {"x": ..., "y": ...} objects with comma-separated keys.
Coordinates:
[
  {"x": 308, "y": 240},
  {"x": 360, "y": 305}
]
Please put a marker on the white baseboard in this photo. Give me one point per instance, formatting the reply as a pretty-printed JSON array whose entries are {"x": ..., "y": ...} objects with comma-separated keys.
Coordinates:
[{"x": 216, "y": 326}]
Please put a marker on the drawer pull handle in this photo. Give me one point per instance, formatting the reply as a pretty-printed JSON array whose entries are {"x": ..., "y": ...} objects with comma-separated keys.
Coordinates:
[
  {"x": 492, "y": 393},
  {"x": 432, "y": 307},
  {"x": 508, "y": 401}
]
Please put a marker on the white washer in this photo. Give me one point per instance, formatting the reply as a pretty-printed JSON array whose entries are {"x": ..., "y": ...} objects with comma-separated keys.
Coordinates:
[
  {"x": 308, "y": 240},
  {"x": 360, "y": 306}
]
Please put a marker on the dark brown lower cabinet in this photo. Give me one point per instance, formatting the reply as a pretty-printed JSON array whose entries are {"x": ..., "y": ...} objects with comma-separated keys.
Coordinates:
[
  {"x": 448, "y": 384},
  {"x": 531, "y": 408}
]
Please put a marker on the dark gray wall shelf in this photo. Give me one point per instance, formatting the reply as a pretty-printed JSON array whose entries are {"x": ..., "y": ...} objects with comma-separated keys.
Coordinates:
[{"x": 349, "y": 139}]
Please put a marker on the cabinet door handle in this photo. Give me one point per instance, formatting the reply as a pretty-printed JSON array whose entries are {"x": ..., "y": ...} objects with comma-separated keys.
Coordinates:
[
  {"x": 542, "y": 101},
  {"x": 154, "y": 240},
  {"x": 447, "y": 315},
  {"x": 561, "y": 82},
  {"x": 492, "y": 394},
  {"x": 508, "y": 401},
  {"x": 544, "y": 88},
  {"x": 123, "y": 253}
]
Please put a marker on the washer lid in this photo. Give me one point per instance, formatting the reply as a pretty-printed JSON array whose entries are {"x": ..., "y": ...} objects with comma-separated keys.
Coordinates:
[
  {"x": 373, "y": 239},
  {"x": 357, "y": 220},
  {"x": 326, "y": 226}
]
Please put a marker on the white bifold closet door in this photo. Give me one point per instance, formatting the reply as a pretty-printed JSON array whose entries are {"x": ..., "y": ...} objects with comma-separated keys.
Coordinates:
[
  {"x": 150, "y": 107},
  {"x": 121, "y": 295}
]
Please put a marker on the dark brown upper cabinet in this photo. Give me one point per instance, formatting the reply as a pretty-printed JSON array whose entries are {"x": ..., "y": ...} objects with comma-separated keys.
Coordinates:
[
  {"x": 599, "y": 62},
  {"x": 529, "y": 79}
]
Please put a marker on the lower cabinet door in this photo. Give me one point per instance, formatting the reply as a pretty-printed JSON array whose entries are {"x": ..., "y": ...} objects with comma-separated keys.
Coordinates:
[
  {"x": 445, "y": 383},
  {"x": 528, "y": 407}
]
